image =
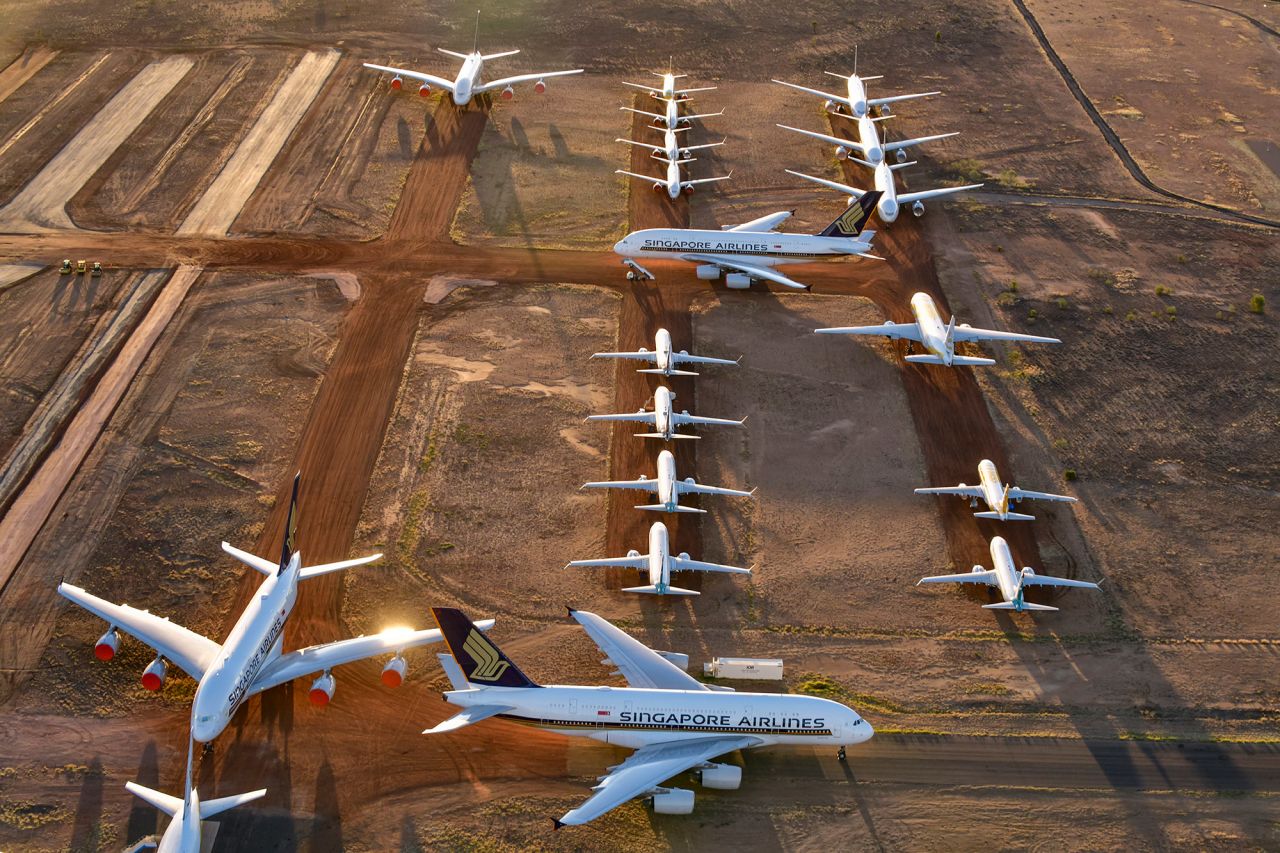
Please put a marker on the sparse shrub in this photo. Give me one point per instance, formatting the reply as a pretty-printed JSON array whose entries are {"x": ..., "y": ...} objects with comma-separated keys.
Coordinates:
[
  {"x": 1062, "y": 303},
  {"x": 1172, "y": 312},
  {"x": 1220, "y": 316},
  {"x": 1032, "y": 314},
  {"x": 969, "y": 170},
  {"x": 937, "y": 37},
  {"x": 1257, "y": 303},
  {"x": 1161, "y": 290},
  {"x": 1108, "y": 310},
  {"x": 1131, "y": 316},
  {"x": 1182, "y": 259},
  {"x": 1007, "y": 299},
  {"x": 1069, "y": 474},
  {"x": 1013, "y": 286}
]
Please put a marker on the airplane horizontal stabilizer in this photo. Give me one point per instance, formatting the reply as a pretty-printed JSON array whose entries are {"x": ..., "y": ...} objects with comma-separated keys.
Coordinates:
[
  {"x": 653, "y": 590},
  {"x": 665, "y": 508},
  {"x": 166, "y": 803},
  {"x": 323, "y": 569},
  {"x": 659, "y": 370},
  {"x": 1011, "y": 516},
  {"x": 956, "y": 361},
  {"x": 213, "y": 808},
  {"x": 1009, "y": 605},
  {"x": 466, "y": 717},
  {"x": 660, "y": 435}
]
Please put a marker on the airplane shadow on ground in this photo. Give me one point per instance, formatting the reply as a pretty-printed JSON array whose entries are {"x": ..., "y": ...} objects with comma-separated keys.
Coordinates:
[
  {"x": 87, "y": 826},
  {"x": 144, "y": 819}
]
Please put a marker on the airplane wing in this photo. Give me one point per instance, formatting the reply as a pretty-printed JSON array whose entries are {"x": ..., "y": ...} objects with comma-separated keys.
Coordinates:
[
  {"x": 893, "y": 99},
  {"x": 988, "y": 577},
  {"x": 642, "y": 417},
  {"x": 911, "y": 198},
  {"x": 1045, "y": 580},
  {"x": 764, "y": 224},
  {"x": 638, "y": 356},
  {"x": 650, "y": 89},
  {"x": 1020, "y": 495},
  {"x": 703, "y": 180},
  {"x": 682, "y": 564},
  {"x": 522, "y": 78},
  {"x": 191, "y": 652},
  {"x": 840, "y": 99},
  {"x": 905, "y": 331},
  {"x": 642, "y": 485},
  {"x": 967, "y": 491},
  {"x": 639, "y": 664},
  {"x": 701, "y": 359},
  {"x": 641, "y": 177},
  {"x": 467, "y": 716},
  {"x": 835, "y": 185},
  {"x": 907, "y": 143},
  {"x": 847, "y": 144},
  {"x": 430, "y": 79},
  {"x": 750, "y": 269},
  {"x": 684, "y": 487},
  {"x": 647, "y": 768},
  {"x": 641, "y": 144},
  {"x": 699, "y": 115},
  {"x": 644, "y": 113},
  {"x": 641, "y": 562},
  {"x": 968, "y": 333},
  {"x": 325, "y": 656},
  {"x": 680, "y": 418}
]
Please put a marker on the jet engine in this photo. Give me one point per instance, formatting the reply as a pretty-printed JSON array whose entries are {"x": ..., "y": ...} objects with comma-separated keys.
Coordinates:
[
  {"x": 683, "y": 555},
  {"x": 976, "y": 569},
  {"x": 153, "y": 675},
  {"x": 659, "y": 187},
  {"x": 900, "y": 155},
  {"x": 633, "y": 553},
  {"x": 322, "y": 689},
  {"x": 108, "y": 644},
  {"x": 918, "y": 208},
  {"x": 508, "y": 93},
  {"x": 424, "y": 90},
  {"x": 708, "y": 272},
  {"x": 1028, "y": 571},
  {"x": 540, "y": 86},
  {"x": 842, "y": 153},
  {"x": 885, "y": 111},
  {"x": 394, "y": 672},
  {"x": 723, "y": 777},
  {"x": 737, "y": 280},
  {"x": 688, "y": 189},
  {"x": 673, "y": 801},
  {"x": 397, "y": 82},
  {"x": 831, "y": 106}
]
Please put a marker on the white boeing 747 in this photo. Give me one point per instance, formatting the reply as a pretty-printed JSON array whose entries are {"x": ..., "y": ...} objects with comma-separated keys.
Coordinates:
[
  {"x": 938, "y": 338},
  {"x": 667, "y": 90},
  {"x": 999, "y": 498},
  {"x": 748, "y": 252},
  {"x": 671, "y": 117},
  {"x": 189, "y": 829},
  {"x": 250, "y": 660},
  {"x": 665, "y": 358},
  {"x": 673, "y": 721},
  {"x": 660, "y": 563},
  {"x": 469, "y": 82},
  {"x": 1011, "y": 582},
  {"x": 673, "y": 183},
  {"x": 664, "y": 419},
  {"x": 868, "y": 143},
  {"x": 891, "y": 203},
  {"x": 668, "y": 487},
  {"x": 855, "y": 99}
]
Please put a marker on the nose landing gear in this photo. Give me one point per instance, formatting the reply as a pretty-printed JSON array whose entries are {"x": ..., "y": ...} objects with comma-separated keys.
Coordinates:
[{"x": 840, "y": 755}]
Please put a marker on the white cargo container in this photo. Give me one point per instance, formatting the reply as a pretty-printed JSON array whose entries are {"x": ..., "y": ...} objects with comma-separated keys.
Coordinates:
[{"x": 761, "y": 669}]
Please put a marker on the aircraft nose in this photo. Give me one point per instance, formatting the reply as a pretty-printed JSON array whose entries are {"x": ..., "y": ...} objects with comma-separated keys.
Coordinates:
[
  {"x": 875, "y": 155},
  {"x": 889, "y": 209},
  {"x": 620, "y": 247}
]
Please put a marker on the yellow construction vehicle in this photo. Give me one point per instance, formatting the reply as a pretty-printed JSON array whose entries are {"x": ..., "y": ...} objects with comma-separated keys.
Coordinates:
[
  {"x": 66, "y": 266},
  {"x": 96, "y": 269},
  {"x": 81, "y": 267}
]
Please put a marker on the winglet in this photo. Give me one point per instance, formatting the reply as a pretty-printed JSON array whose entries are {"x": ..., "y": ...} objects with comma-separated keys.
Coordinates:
[
  {"x": 556, "y": 823},
  {"x": 291, "y": 527}
]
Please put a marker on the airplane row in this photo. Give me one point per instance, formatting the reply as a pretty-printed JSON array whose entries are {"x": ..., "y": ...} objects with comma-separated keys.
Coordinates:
[{"x": 669, "y": 123}]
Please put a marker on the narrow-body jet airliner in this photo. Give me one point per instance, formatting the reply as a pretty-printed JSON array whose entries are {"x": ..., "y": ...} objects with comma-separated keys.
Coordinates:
[
  {"x": 999, "y": 498},
  {"x": 668, "y": 487},
  {"x": 1008, "y": 580},
  {"x": 659, "y": 563},
  {"x": 665, "y": 358},
  {"x": 664, "y": 419}
]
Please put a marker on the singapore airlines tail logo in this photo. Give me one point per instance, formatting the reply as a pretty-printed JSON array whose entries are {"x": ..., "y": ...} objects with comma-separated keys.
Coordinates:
[{"x": 489, "y": 664}]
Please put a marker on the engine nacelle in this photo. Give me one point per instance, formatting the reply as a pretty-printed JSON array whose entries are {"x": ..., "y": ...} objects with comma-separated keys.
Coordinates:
[
  {"x": 723, "y": 777},
  {"x": 424, "y": 91},
  {"x": 683, "y": 555},
  {"x": 322, "y": 689},
  {"x": 508, "y": 93},
  {"x": 688, "y": 189},
  {"x": 900, "y": 155},
  {"x": 689, "y": 480},
  {"x": 659, "y": 187},
  {"x": 540, "y": 86},
  {"x": 673, "y": 801},
  {"x": 918, "y": 208},
  {"x": 633, "y": 553},
  {"x": 976, "y": 569},
  {"x": 108, "y": 644},
  {"x": 153, "y": 675},
  {"x": 397, "y": 82},
  {"x": 842, "y": 153},
  {"x": 708, "y": 272},
  {"x": 394, "y": 672},
  {"x": 885, "y": 111},
  {"x": 1028, "y": 571},
  {"x": 737, "y": 280},
  {"x": 831, "y": 106}
]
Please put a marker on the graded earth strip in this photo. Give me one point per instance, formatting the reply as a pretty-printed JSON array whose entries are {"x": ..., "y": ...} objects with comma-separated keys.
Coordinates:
[
  {"x": 11, "y": 274},
  {"x": 218, "y": 208},
  {"x": 32, "y": 507},
  {"x": 23, "y": 69},
  {"x": 42, "y": 203},
  {"x": 47, "y": 108}
]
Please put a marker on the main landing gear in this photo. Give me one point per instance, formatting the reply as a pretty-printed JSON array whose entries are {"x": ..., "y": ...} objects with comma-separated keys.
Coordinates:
[{"x": 840, "y": 755}]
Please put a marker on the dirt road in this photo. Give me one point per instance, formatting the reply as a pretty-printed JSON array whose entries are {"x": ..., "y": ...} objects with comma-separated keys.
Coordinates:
[{"x": 23, "y": 69}]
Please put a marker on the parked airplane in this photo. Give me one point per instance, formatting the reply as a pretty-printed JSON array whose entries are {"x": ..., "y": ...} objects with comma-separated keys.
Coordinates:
[
  {"x": 469, "y": 81},
  {"x": 1008, "y": 580},
  {"x": 665, "y": 358},
  {"x": 748, "y": 252},
  {"x": 673, "y": 721},
  {"x": 868, "y": 143},
  {"x": 670, "y": 149},
  {"x": 664, "y": 419},
  {"x": 671, "y": 118},
  {"x": 855, "y": 99},
  {"x": 667, "y": 91},
  {"x": 890, "y": 202},
  {"x": 668, "y": 487},
  {"x": 999, "y": 499},
  {"x": 673, "y": 183},
  {"x": 249, "y": 661},
  {"x": 660, "y": 563},
  {"x": 938, "y": 338},
  {"x": 189, "y": 829}
]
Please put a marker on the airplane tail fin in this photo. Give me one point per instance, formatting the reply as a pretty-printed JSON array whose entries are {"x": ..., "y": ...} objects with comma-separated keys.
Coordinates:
[
  {"x": 664, "y": 508},
  {"x": 482, "y": 663},
  {"x": 1009, "y": 605},
  {"x": 290, "y": 527},
  {"x": 849, "y": 223},
  {"x": 1010, "y": 516},
  {"x": 651, "y": 589}
]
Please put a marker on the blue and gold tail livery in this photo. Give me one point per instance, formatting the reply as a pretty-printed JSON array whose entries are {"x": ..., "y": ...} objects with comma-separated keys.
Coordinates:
[
  {"x": 482, "y": 662},
  {"x": 855, "y": 216},
  {"x": 291, "y": 526}
]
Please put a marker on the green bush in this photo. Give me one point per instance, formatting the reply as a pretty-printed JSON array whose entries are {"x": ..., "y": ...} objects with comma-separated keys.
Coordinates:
[
  {"x": 1257, "y": 303},
  {"x": 1069, "y": 474}
]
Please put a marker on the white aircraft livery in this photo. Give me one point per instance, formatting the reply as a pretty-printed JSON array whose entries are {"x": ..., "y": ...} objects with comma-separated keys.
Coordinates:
[
  {"x": 748, "y": 252},
  {"x": 189, "y": 829},
  {"x": 664, "y": 419},
  {"x": 673, "y": 721},
  {"x": 667, "y": 91},
  {"x": 671, "y": 118},
  {"x": 469, "y": 82},
  {"x": 660, "y": 563},
  {"x": 665, "y": 358},
  {"x": 999, "y": 498},
  {"x": 673, "y": 184},
  {"x": 668, "y": 487},
  {"x": 868, "y": 142},
  {"x": 939, "y": 338},
  {"x": 1008, "y": 580},
  {"x": 249, "y": 661},
  {"x": 891, "y": 203},
  {"x": 855, "y": 99}
]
